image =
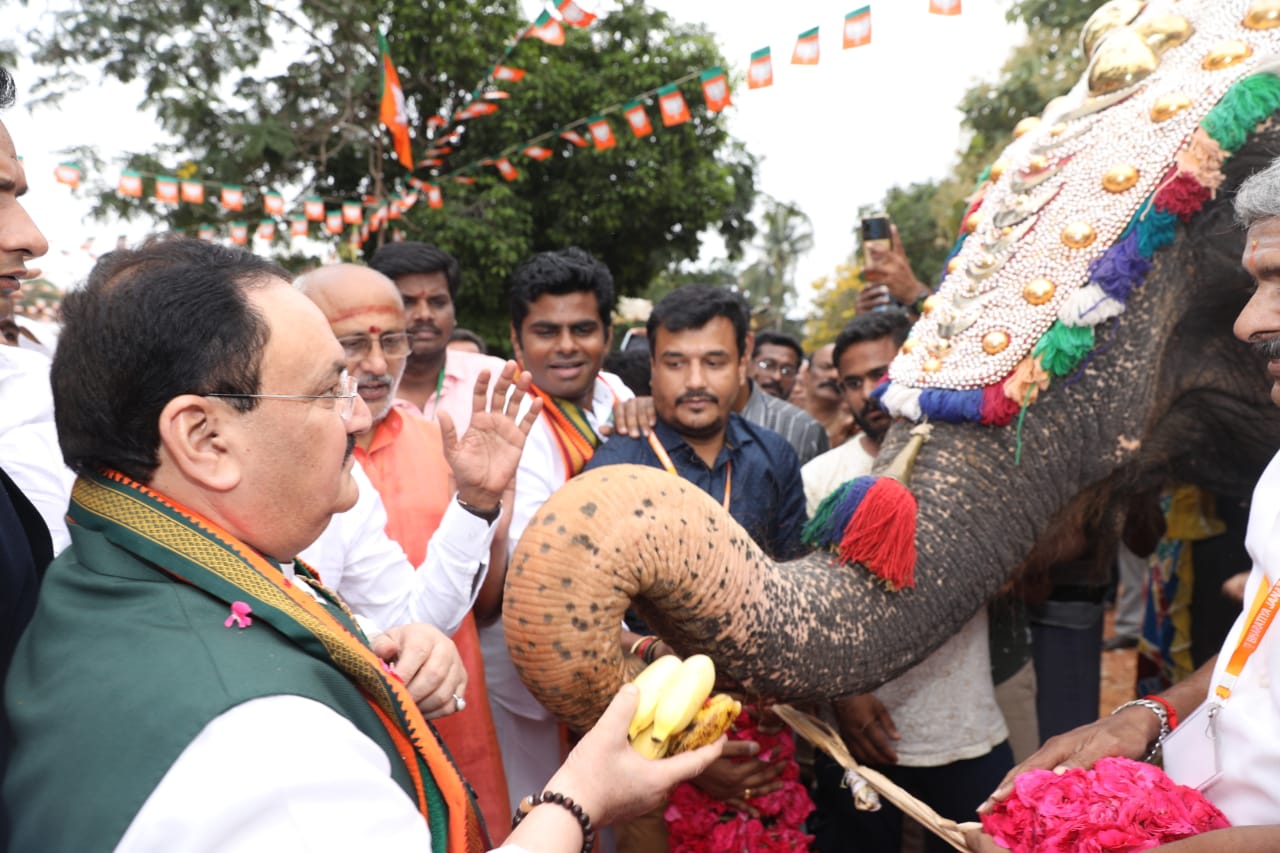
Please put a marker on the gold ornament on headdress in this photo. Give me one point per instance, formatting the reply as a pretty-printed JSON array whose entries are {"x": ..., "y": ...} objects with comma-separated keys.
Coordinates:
[
  {"x": 1078, "y": 235},
  {"x": 1165, "y": 32},
  {"x": 1106, "y": 18},
  {"x": 1118, "y": 179},
  {"x": 1123, "y": 59},
  {"x": 1225, "y": 54},
  {"x": 1262, "y": 15},
  {"x": 1166, "y": 107}
]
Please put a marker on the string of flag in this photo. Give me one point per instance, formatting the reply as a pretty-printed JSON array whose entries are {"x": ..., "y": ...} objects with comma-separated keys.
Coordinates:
[{"x": 367, "y": 215}]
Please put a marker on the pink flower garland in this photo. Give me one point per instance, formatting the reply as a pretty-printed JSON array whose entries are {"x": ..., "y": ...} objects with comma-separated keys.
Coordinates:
[
  {"x": 697, "y": 823},
  {"x": 1119, "y": 805}
]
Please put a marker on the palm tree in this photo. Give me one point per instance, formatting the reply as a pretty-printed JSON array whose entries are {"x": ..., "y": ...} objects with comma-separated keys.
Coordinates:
[{"x": 769, "y": 282}]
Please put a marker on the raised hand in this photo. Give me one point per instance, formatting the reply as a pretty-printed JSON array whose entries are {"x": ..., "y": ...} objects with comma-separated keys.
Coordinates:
[
  {"x": 485, "y": 458},
  {"x": 892, "y": 270}
]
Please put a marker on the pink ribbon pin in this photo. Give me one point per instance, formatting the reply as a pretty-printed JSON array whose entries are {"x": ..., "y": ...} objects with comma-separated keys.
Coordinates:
[{"x": 239, "y": 615}]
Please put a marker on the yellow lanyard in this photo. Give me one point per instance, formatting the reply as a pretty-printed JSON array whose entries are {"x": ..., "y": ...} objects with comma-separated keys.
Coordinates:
[
  {"x": 1261, "y": 614},
  {"x": 665, "y": 459}
]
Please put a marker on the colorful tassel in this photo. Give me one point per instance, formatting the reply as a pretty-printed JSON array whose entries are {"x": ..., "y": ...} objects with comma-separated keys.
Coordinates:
[
  {"x": 820, "y": 531},
  {"x": 1120, "y": 269},
  {"x": 1246, "y": 104},
  {"x": 953, "y": 407},
  {"x": 997, "y": 408},
  {"x": 882, "y": 533},
  {"x": 1062, "y": 347}
]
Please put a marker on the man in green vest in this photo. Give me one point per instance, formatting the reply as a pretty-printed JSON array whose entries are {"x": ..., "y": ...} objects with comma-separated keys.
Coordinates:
[{"x": 185, "y": 684}]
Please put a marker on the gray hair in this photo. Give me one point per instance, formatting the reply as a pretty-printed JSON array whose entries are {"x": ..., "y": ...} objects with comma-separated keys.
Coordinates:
[{"x": 1259, "y": 196}]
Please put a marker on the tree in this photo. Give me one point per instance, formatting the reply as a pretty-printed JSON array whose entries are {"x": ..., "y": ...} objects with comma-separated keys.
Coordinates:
[
  {"x": 769, "y": 283},
  {"x": 236, "y": 112},
  {"x": 834, "y": 304}
]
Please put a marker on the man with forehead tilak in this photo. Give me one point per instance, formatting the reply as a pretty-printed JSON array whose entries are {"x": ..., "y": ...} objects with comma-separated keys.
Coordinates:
[{"x": 409, "y": 462}]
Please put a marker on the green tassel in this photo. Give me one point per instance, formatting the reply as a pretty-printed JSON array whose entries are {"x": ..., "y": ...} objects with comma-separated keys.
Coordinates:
[
  {"x": 1245, "y": 105},
  {"x": 815, "y": 530},
  {"x": 1062, "y": 347}
]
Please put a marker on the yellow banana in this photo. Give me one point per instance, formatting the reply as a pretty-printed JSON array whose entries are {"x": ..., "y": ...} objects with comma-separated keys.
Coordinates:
[
  {"x": 644, "y": 744},
  {"x": 683, "y": 696},
  {"x": 651, "y": 683},
  {"x": 711, "y": 721}
]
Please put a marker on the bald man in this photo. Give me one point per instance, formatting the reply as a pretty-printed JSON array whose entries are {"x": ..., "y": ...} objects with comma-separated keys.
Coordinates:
[{"x": 408, "y": 461}]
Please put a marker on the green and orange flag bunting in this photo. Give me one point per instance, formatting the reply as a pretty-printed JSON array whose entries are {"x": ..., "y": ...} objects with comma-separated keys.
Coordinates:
[
  {"x": 944, "y": 7},
  {"x": 313, "y": 209},
  {"x": 192, "y": 192},
  {"x": 573, "y": 14},
  {"x": 637, "y": 118},
  {"x": 508, "y": 74},
  {"x": 537, "y": 152},
  {"x": 67, "y": 173},
  {"x": 239, "y": 233},
  {"x": 857, "y": 28},
  {"x": 438, "y": 121},
  {"x": 431, "y": 163},
  {"x": 391, "y": 111},
  {"x": 352, "y": 212},
  {"x": 672, "y": 106},
  {"x": 601, "y": 133},
  {"x": 548, "y": 29},
  {"x": 166, "y": 189},
  {"x": 462, "y": 179},
  {"x": 130, "y": 184},
  {"x": 333, "y": 222},
  {"x": 508, "y": 172},
  {"x": 267, "y": 229},
  {"x": 574, "y": 137},
  {"x": 760, "y": 74},
  {"x": 715, "y": 89},
  {"x": 806, "y": 50},
  {"x": 206, "y": 232},
  {"x": 496, "y": 95},
  {"x": 435, "y": 200},
  {"x": 273, "y": 203},
  {"x": 298, "y": 226},
  {"x": 232, "y": 197}
]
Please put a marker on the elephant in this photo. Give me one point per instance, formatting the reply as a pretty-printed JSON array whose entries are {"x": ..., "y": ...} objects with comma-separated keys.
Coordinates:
[{"x": 1168, "y": 393}]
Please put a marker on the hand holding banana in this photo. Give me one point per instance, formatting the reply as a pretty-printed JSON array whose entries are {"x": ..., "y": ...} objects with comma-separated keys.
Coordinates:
[{"x": 676, "y": 711}]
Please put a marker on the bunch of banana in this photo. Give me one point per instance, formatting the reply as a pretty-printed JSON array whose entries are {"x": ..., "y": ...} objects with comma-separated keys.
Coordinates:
[{"x": 677, "y": 712}]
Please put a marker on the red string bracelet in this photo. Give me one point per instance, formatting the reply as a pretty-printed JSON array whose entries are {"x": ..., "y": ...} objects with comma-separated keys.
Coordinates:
[{"x": 1168, "y": 709}]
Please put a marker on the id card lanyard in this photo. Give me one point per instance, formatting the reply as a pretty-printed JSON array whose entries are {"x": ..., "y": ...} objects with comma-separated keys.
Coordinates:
[
  {"x": 665, "y": 459},
  {"x": 1262, "y": 612}
]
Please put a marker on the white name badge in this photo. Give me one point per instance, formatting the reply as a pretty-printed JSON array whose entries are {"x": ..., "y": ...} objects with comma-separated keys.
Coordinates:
[{"x": 1191, "y": 755}]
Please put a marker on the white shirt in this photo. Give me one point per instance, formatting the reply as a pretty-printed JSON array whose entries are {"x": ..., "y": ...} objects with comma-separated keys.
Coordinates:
[
  {"x": 542, "y": 471},
  {"x": 1248, "y": 725},
  {"x": 30, "y": 455},
  {"x": 944, "y": 706},
  {"x": 25, "y": 395},
  {"x": 279, "y": 774},
  {"x": 356, "y": 558}
]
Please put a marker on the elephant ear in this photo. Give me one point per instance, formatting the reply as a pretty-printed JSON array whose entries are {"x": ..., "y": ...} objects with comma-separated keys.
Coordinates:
[{"x": 871, "y": 520}]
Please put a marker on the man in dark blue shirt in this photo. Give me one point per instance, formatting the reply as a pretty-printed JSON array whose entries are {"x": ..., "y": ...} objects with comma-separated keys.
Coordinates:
[{"x": 697, "y": 349}]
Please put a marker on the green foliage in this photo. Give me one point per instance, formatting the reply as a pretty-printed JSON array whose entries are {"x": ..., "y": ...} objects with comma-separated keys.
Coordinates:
[
  {"x": 286, "y": 96},
  {"x": 835, "y": 303},
  {"x": 769, "y": 283}
]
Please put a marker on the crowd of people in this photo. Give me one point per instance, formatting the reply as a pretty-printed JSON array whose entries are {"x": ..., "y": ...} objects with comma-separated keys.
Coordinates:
[{"x": 255, "y": 529}]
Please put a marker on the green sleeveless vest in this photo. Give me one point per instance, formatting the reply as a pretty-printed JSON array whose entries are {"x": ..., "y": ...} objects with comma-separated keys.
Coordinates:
[{"x": 120, "y": 669}]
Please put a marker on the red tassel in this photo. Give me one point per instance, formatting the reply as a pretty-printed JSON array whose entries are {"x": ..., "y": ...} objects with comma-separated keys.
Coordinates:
[{"x": 882, "y": 533}]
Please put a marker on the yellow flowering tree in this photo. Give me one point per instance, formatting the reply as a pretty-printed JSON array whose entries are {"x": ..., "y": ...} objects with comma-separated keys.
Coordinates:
[{"x": 833, "y": 303}]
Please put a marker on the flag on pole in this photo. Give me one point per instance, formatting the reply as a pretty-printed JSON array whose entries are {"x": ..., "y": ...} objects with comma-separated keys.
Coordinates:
[
  {"x": 130, "y": 184},
  {"x": 67, "y": 173},
  {"x": 333, "y": 222},
  {"x": 507, "y": 73},
  {"x": 192, "y": 192},
  {"x": 672, "y": 106},
  {"x": 266, "y": 229},
  {"x": 573, "y": 14},
  {"x": 637, "y": 118},
  {"x": 944, "y": 7},
  {"x": 166, "y": 189},
  {"x": 392, "y": 112},
  {"x": 574, "y": 137},
  {"x": 313, "y": 208},
  {"x": 273, "y": 203},
  {"x": 232, "y": 197},
  {"x": 547, "y": 29},
  {"x": 806, "y": 52},
  {"x": 206, "y": 232},
  {"x": 601, "y": 133},
  {"x": 298, "y": 226},
  {"x": 537, "y": 152},
  {"x": 352, "y": 213},
  {"x": 760, "y": 74},
  {"x": 505, "y": 169},
  {"x": 435, "y": 200},
  {"x": 239, "y": 233},
  {"x": 857, "y": 28},
  {"x": 715, "y": 89}
]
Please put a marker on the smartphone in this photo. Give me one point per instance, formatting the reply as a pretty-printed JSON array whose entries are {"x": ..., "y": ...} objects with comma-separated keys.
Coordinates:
[{"x": 876, "y": 233}]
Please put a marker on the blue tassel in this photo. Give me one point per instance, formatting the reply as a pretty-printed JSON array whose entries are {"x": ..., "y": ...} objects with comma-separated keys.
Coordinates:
[
  {"x": 1156, "y": 231},
  {"x": 827, "y": 527},
  {"x": 1121, "y": 268},
  {"x": 953, "y": 407}
]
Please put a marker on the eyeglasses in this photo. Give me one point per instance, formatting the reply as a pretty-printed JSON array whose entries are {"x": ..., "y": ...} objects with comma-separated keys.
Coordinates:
[
  {"x": 393, "y": 344},
  {"x": 768, "y": 365},
  {"x": 345, "y": 397}
]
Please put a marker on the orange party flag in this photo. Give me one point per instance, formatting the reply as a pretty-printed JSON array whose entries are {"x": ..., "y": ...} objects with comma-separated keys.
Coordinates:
[
  {"x": 574, "y": 137},
  {"x": 537, "y": 152},
  {"x": 547, "y": 29},
  {"x": 760, "y": 74},
  {"x": 391, "y": 111},
  {"x": 273, "y": 203},
  {"x": 857, "y": 28},
  {"x": 435, "y": 200},
  {"x": 944, "y": 7},
  {"x": 671, "y": 104},
  {"x": 715, "y": 89},
  {"x": 573, "y": 14},
  {"x": 637, "y": 119},
  {"x": 601, "y": 133},
  {"x": 505, "y": 169},
  {"x": 806, "y": 52},
  {"x": 232, "y": 197},
  {"x": 507, "y": 73},
  {"x": 192, "y": 192},
  {"x": 167, "y": 190}
]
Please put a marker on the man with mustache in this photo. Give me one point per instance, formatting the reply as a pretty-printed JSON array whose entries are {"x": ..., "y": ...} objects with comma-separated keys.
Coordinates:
[
  {"x": 821, "y": 398},
  {"x": 775, "y": 362},
  {"x": 771, "y": 373},
  {"x": 404, "y": 458},
  {"x": 436, "y": 379},
  {"x": 936, "y": 730}
]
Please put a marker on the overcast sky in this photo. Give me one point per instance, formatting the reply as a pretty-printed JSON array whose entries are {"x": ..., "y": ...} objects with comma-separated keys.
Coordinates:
[{"x": 830, "y": 137}]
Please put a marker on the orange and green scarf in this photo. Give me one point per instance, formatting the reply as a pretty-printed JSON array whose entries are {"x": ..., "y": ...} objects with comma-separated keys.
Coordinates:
[
  {"x": 573, "y": 433},
  {"x": 195, "y": 551}
]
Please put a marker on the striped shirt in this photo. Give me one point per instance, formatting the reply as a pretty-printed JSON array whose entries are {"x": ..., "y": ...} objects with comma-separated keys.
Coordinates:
[{"x": 801, "y": 430}]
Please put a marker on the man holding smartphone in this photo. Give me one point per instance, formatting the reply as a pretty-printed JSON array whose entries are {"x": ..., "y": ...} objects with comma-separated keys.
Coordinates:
[{"x": 887, "y": 271}]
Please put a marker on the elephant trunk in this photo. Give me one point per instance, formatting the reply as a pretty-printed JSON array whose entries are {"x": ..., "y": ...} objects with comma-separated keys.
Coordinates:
[{"x": 795, "y": 631}]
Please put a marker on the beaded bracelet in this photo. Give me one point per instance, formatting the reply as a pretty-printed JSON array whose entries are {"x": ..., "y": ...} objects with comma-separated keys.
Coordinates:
[{"x": 530, "y": 802}]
